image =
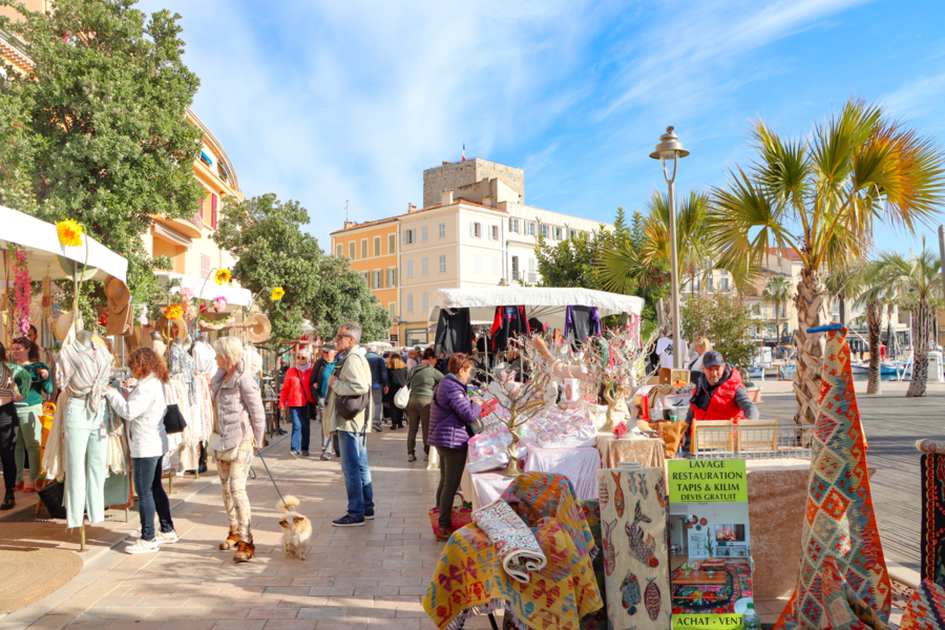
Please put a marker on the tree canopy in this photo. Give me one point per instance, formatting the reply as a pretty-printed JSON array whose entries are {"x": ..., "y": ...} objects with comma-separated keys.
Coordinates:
[{"x": 99, "y": 127}]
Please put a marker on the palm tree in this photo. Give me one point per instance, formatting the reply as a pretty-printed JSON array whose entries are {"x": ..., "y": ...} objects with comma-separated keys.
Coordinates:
[
  {"x": 777, "y": 291},
  {"x": 875, "y": 292},
  {"x": 822, "y": 196},
  {"x": 917, "y": 281},
  {"x": 844, "y": 283}
]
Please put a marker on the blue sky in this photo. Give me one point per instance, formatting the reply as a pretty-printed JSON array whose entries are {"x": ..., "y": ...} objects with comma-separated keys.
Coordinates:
[{"x": 325, "y": 102}]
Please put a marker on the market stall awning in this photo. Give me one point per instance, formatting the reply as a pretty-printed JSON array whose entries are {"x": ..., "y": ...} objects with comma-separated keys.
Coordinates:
[
  {"x": 41, "y": 243},
  {"x": 546, "y": 304},
  {"x": 211, "y": 290}
]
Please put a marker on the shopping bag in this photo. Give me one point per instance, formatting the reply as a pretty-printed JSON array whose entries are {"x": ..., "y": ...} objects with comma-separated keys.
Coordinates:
[{"x": 459, "y": 517}]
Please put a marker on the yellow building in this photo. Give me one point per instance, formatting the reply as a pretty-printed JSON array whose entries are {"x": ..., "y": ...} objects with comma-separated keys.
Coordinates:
[{"x": 371, "y": 248}]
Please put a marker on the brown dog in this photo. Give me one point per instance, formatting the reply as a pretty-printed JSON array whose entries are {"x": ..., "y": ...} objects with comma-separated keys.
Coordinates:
[{"x": 296, "y": 529}]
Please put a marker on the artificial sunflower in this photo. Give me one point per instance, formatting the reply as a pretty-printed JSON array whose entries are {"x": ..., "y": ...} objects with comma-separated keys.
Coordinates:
[
  {"x": 277, "y": 294},
  {"x": 174, "y": 311},
  {"x": 223, "y": 276},
  {"x": 69, "y": 233}
]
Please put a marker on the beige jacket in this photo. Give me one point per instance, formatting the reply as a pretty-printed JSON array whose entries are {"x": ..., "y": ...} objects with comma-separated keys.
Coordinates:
[
  {"x": 242, "y": 416},
  {"x": 354, "y": 379}
]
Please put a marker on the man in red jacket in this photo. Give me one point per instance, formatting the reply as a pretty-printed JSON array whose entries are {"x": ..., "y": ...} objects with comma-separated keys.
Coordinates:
[{"x": 720, "y": 393}]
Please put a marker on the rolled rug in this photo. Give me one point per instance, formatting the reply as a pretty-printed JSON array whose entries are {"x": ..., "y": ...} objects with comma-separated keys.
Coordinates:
[
  {"x": 930, "y": 446},
  {"x": 512, "y": 538}
]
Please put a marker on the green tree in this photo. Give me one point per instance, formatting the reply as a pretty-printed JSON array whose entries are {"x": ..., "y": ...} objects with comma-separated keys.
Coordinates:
[
  {"x": 344, "y": 296},
  {"x": 822, "y": 196},
  {"x": 917, "y": 282},
  {"x": 874, "y": 293},
  {"x": 105, "y": 140},
  {"x": 777, "y": 291},
  {"x": 725, "y": 320},
  {"x": 570, "y": 263},
  {"x": 266, "y": 237}
]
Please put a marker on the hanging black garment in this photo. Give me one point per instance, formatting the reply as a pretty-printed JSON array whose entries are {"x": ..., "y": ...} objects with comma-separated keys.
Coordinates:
[
  {"x": 581, "y": 322},
  {"x": 453, "y": 332},
  {"x": 509, "y": 322}
]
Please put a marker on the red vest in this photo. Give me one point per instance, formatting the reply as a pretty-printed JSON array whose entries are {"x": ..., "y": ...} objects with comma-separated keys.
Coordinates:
[{"x": 722, "y": 404}]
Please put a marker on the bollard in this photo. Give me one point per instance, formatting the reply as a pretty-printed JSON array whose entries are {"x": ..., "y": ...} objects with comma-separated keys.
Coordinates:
[{"x": 434, "y": 459}]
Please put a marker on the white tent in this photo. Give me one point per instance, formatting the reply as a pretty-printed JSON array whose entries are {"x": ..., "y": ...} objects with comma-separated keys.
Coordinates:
[
  {"x": 211, "y": 290},
  {"x": 546, "y": 304},
  {"x": 41, "y": 243}
]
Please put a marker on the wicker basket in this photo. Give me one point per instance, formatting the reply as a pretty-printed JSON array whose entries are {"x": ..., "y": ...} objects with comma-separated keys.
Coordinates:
[{"x": 459, "y": 516}]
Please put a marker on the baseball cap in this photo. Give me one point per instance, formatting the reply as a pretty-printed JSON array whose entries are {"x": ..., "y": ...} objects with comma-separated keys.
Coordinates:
[
  {"x": 328, "y": 347},
  {"x": 712, "y": 358}
]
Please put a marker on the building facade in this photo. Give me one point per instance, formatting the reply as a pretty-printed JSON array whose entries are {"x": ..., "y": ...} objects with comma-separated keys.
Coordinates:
[{"x": 371, "y": 249}]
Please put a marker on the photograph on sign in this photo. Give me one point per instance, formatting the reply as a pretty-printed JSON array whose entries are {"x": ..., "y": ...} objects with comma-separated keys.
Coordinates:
[{"x": 710, "y": 540}]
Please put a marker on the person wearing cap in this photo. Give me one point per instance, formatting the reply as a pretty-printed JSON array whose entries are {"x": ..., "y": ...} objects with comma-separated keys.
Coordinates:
[
  {"x": 318, "y": 382},
  {"x": 720, "y": 393}
]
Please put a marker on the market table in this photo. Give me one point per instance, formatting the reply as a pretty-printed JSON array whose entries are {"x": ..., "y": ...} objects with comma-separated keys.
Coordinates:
[
  {"x": 579, "y": 465},
  {"x": 648, "y": 452},
  {"x": 700, "y": 578}
]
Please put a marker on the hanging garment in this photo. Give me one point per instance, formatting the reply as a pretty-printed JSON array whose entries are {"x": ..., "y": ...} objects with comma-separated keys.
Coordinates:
[
  {"x": 932, "y": 540},
  {"x": 204, "y": 414},
  {"x": 204, "y": 358},
  {"x": 182, "y": 364},
  {"x": 840, "y": 521},
  {"x": 84, "y": 373},
  {"x": 509, "y": 322},
  {"x": 54, "y": 456},
  {"x": 453, "y": 332},
  {"x": 581, "y": 322}
]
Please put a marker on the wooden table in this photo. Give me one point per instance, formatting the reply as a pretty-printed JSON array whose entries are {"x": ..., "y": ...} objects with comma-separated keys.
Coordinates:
[
  {"x": 700, "y": 578},
  {"x": 647, "y": 452}
]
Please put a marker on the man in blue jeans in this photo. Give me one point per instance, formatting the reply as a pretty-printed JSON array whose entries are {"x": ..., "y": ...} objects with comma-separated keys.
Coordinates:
[{"x": 350, "y": 385}]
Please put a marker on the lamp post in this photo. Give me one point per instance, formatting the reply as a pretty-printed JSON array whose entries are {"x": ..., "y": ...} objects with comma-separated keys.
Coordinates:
[{"x": 670, "y": 149}]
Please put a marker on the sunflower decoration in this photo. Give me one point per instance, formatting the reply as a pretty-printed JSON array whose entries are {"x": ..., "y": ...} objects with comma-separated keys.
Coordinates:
[
  {"x": 223, "y": 277},
  {"x": 277, "y": 294},
  {"x": 69, "y": 233},
  {"x": 174, "y": 311}
]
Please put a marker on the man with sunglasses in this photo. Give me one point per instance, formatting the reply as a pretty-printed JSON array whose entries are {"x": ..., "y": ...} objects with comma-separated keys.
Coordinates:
[{"x": 348, "y": 413}]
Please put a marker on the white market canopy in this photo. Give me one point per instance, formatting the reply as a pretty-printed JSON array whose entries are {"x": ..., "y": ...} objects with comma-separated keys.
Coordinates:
[
  {"x": 546, "y": 304},
  {"x": 211, "y": 290},
  {"x": 41, "y": 243}
]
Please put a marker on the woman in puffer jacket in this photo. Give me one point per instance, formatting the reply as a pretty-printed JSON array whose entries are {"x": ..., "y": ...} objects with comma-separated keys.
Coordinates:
[{"x": 450, "y": 414}]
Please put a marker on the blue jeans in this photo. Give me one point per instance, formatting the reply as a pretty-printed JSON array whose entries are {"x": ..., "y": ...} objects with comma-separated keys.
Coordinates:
[
  {"x": 353, "y": 447},
  {"x": 151, "y": 495},
  {"x": 301, "y": 429}
]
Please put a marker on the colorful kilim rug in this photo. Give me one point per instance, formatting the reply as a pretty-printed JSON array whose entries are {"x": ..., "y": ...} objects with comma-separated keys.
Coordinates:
[
  {"x": 512, "y": 538},
  {"x": 634, "y": 509},
  {"x": 839, "y": 518},
  {"x": 470, "y": 580},
  {"x": 932, "y": 545},
  {"x": 926, "y": 608},
  {"x": 842, "y": 609},
  {"x": 596, "y": 620},
  {"x": 716, "y": 599}
]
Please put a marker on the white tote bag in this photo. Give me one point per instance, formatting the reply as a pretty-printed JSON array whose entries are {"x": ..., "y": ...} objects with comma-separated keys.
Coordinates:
[{"x": 402, "y": 397}]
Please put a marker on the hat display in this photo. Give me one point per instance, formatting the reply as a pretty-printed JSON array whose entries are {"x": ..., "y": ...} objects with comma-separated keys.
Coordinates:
[
  {"x": 258, "y": 328},
  {"x": 120, "y": 312},
  {"x": 712, "y": 358}
]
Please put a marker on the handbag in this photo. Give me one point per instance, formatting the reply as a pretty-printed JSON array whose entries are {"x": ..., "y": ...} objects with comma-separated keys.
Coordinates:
[
  {"x": 459, "y": 516},
  {"x": 174, "y": 421},
  {"x": 348, "y": 407},
  {"x": 402, "y": 397}
]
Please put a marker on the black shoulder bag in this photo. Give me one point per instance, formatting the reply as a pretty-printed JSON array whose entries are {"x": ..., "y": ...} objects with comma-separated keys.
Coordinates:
[{"x": 348, "y": 407}]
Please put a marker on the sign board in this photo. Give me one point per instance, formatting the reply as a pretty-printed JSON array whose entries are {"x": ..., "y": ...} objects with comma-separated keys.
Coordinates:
[
  {"x": 707, "y": 481},
  {"x": 707, "y": 622}
]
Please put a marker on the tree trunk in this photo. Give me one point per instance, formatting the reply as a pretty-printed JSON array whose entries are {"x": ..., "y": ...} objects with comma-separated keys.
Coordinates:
[
  {"x": 874, "y": 323},
  {"x": 921, "y": 333},
  {"x": 891, "y": 353},
  {"x": 843, "y": 310},
  {"x": 811, "y": 302}
]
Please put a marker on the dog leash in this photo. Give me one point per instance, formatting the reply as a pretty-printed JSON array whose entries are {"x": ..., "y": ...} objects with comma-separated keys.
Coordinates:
[{"x": 268, "y": 472}]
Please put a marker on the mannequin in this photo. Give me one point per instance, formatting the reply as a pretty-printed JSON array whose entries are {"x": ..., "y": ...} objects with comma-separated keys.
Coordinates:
[
  {"x": 157, "y": 344},
  {"x": 181, "y": 366},
  {"x": 83, "y": 373},
  {"x": 204, "y": 356}
]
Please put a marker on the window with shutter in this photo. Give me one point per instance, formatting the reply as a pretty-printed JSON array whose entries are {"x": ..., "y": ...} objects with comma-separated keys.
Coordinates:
[
  {"x": 442, "y": 229},
  {"x": 213, "y": 210},
  {"x": 351, "y": 248},
  {"x": 205, "y": 265},
  {"x": 442, "y": 263},
  {"x": 426, "y": 302},
  {"x": 424, "y": 266},
  {"x": 410, "y": 303},
  {"x": 391, "y": 243},
  {"x": 423, "y": 233},
  {"x": 377, "y": 246},
  {"x": 410, "y": 269},
  {"x": 477, "y": 264}
]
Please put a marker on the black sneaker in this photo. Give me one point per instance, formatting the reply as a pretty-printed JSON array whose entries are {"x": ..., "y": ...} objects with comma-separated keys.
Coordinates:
[
  {"x": 411, "y": 457},
  {"x": 347, "y": 521},
  {"x": 369, "y": 514}
]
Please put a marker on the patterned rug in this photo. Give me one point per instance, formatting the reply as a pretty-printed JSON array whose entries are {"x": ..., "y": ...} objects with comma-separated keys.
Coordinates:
[
  {"x": 470, "y": 580},
  {"x": 839, "y": 519},
  {"x": 596, "y": 620},
  {"x": 932, "y": 541},
  {"x": 926, "y": 608},
  {"x": 512, "y": 539},
  {"x": 634, "y": 509},
  {"x": 716, "y": 599}
]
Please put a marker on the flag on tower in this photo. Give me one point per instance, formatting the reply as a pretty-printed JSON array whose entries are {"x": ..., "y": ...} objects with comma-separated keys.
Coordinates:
[{"x": 464, "y": 152}]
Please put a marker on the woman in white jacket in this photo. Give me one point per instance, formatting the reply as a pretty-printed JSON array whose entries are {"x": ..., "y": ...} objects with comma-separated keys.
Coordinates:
[{"x": 144, "y": 413}]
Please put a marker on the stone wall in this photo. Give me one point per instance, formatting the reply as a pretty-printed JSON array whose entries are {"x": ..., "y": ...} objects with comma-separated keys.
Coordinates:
[{"x": 454, "y": 175}]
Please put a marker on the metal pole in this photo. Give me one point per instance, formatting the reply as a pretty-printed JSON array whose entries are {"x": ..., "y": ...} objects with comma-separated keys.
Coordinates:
[
  {"x": 941, "y": 253},
  {"x": 674, "y": 272}
]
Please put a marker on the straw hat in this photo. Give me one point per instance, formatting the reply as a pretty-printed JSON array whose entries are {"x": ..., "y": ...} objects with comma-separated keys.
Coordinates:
[
  {"x": 61, "y": 325},
  {"x": 69, "y": 267},
  {"x": 171, "y": 329},
  {"x": 258, "y": 328},
  {"x": 117, "y": 292}
]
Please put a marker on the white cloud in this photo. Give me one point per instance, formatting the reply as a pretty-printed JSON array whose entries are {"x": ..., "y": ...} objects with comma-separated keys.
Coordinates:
[{"x": 917, "y": 98}]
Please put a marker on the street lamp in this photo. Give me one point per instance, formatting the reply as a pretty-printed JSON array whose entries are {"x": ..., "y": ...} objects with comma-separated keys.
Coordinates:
[{"x": 670, "y": 149}]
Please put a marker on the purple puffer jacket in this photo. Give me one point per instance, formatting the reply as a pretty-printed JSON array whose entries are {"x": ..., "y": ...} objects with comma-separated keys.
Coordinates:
[{"x": 450, "y": 412}]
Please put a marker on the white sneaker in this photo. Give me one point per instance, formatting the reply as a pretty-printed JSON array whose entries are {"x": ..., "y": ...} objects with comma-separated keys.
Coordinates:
[
  {"x": 142, "y": 546},
  {"x": 168, "y": 538}
]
